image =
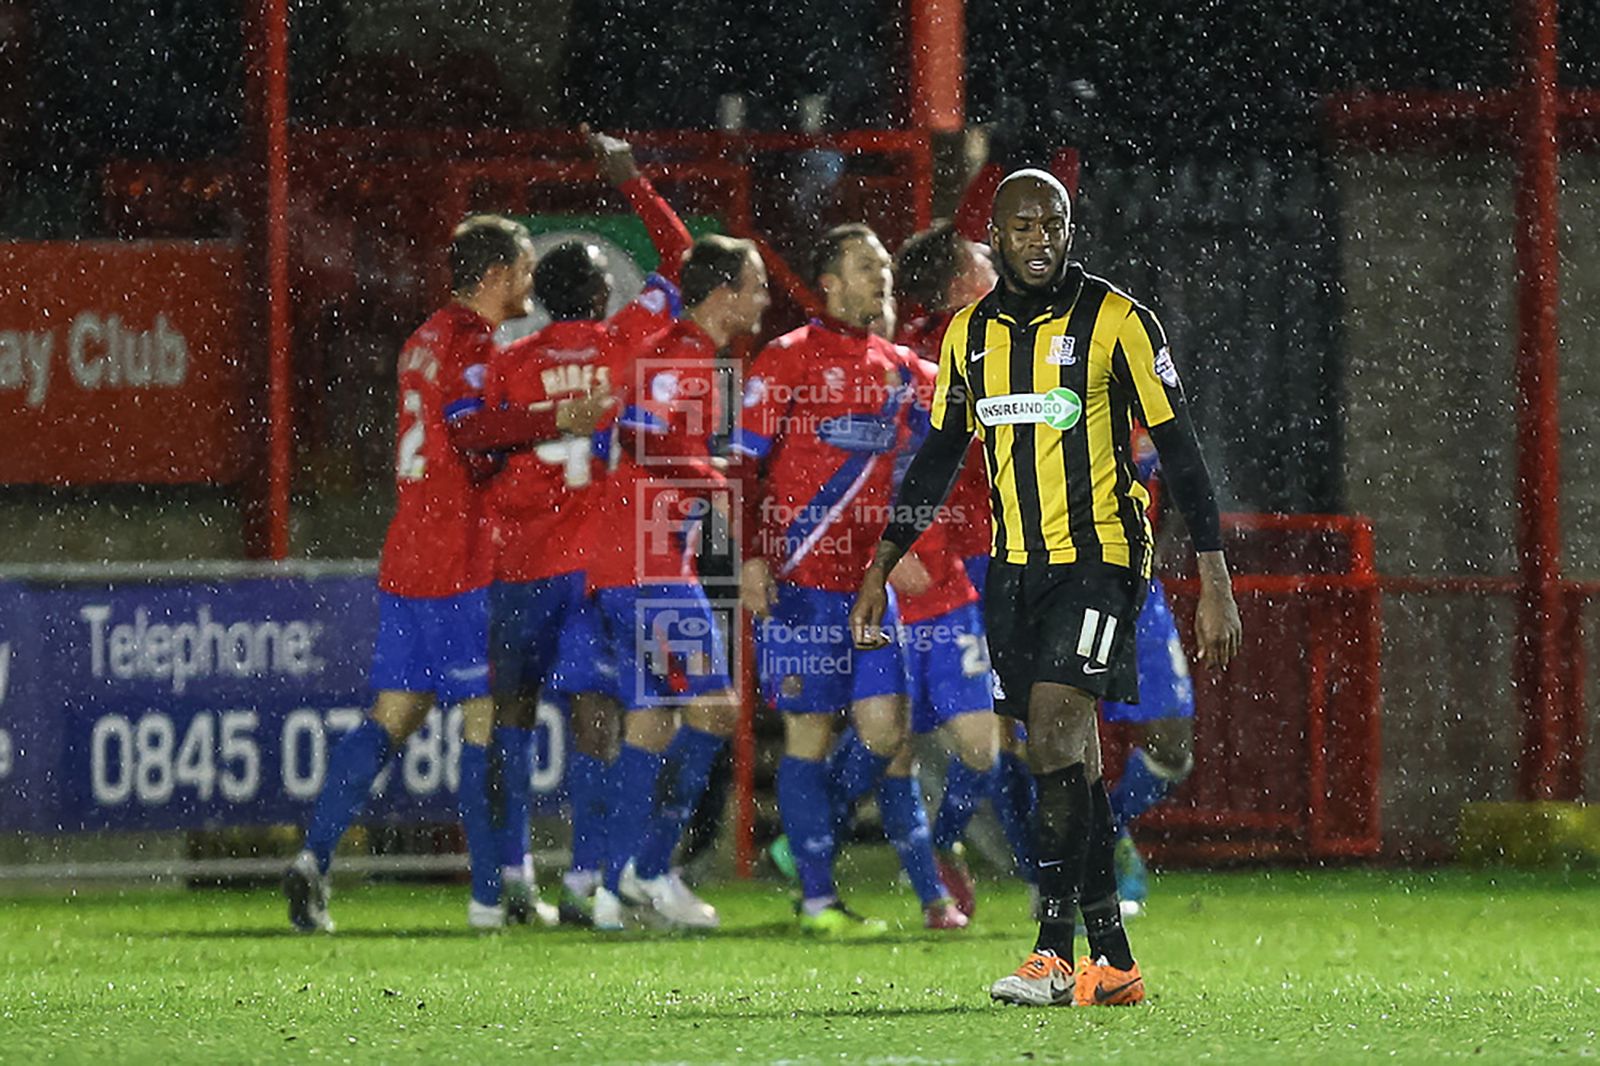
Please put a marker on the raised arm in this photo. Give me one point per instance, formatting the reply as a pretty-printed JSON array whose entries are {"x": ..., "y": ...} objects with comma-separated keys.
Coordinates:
[{"x": 671, "y": 237}]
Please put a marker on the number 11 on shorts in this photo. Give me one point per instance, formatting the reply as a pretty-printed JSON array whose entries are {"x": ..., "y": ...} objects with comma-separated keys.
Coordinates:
[{"x": 1094, "y": 639}]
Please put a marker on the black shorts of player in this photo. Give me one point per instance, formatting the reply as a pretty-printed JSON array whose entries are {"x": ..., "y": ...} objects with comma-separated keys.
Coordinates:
[{"x": 1066, "y": 623}]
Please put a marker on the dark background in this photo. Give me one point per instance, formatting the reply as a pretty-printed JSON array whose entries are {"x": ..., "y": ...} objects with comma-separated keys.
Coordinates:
[{"x": 1208, "y": 184}]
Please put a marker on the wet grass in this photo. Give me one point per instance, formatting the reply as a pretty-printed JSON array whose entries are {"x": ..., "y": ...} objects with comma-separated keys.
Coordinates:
[{"x": 1275, "y": 966}]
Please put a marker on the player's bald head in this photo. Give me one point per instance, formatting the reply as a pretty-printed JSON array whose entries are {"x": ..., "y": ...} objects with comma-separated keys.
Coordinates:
[
  {"x": 1029, "y": 185},
  {"x": 1031, "y": 230}
]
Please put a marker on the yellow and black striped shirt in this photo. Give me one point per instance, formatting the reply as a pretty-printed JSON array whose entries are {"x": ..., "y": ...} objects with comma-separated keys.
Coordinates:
[{"x": 1053, "y": 399}]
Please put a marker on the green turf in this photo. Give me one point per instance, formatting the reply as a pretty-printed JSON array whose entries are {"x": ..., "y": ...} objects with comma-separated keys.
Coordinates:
[{"x": 1275, "y": 966}]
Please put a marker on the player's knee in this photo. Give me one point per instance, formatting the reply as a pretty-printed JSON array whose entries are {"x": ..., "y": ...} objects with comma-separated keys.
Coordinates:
[
  {"x": 1173, "y": 768},
  {"x": 977, "y": 741},
  {"x": 401, "y": 713},
  {"x": 883, "y": 736},
  {"x": 651, "y": 729},
  {"x": 1169, "y": 745},
  {"x": 477, "y": 720},
  {"x": 716, "y": 713},
  {"x": 807, "y": 736}
]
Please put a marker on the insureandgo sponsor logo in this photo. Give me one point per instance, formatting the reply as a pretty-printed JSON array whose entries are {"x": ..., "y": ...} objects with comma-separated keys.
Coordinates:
[{"x": 1058, "y": 409}]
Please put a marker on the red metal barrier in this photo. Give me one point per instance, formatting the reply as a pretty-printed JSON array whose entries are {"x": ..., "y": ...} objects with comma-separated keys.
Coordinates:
[{"x": 1287, "y": 741}]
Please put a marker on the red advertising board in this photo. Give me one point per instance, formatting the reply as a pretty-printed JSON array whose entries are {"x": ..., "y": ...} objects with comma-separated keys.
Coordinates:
[{"x": 119, "y": 362}]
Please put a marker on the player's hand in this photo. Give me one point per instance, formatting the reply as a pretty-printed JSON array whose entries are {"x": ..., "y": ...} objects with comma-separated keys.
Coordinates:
[
  {"x": 757, "y": 591},
  {"x": 1217, "y": 628},
  {"x": 580, "y": 415},
  {"x": 613, "y": 155},
  {"x": 910, "y": 576},
  {"x": 866, "y": 614}
]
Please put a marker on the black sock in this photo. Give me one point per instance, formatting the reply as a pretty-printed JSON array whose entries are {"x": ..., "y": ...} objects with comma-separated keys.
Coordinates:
[
  {"x": 1102, "y": 910},
  {"x": 1061, "y": 839}
]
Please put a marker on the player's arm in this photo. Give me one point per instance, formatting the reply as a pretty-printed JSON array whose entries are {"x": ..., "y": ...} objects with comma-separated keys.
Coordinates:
[
  {"x": 1143, "y": 361},
  {"x": 667, "y": 231},
  {"x": 764, "y": 414},
  {"x": 477, "y": 428},
  {"x": 927, "y": 482}
]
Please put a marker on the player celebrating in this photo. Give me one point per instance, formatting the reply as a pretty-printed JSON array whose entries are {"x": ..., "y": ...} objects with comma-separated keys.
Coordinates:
[
  {"x": 542, "y": 619},
  {"x": 1050, "y": 370},
  {"x": 667, "y": 643},
  {"x": 825, "y": 410},
  {"x": 433, "y": 603}
]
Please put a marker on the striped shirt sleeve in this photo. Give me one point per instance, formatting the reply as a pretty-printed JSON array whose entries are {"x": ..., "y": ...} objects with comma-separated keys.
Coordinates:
[{"x": 951, "y": 396}]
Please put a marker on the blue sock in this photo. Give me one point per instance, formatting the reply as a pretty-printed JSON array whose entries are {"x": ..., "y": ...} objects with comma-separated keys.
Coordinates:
[
  {"x": 513, "y": 753},
  {"x": 355, "y": 764},
  {"x": 803, "y": 806},
  {"x": 473, "y": 801},
  {"x": 688, "y": 768},
  {"x": 853, "y": 771},
  {"x": 964, "y": 787},
  {"x": 1013, "y": 804},
  {"x": 588, "y": 787},
  {"x": 633, "y": 797},
  {"x": 1138, "y": 789},
  {"x": 906, "y": 824}
]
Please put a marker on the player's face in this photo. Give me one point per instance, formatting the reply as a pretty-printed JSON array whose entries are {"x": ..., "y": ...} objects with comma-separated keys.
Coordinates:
[
  {"x": 750, "y": 299},
  {"x": 858, "y": 289},
  {"x": 518, "y": 286},
  {"x": 976, "y": 276},
  {"x": 1031, "y": 233}
]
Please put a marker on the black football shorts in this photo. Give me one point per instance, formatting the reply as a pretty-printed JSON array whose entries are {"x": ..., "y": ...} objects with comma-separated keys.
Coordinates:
[{"x": 1067, "y": 623}]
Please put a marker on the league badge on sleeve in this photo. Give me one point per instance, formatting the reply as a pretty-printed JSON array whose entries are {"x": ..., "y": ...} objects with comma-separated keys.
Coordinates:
[
  {"x": 1165, "y": 368},
  {"x": 755, "y": 390}
]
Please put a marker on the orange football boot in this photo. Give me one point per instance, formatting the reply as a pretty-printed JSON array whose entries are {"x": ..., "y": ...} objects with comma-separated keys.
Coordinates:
[
  {"x": 1043, "y": 980},
  {"x": 1099, "y": 984}
]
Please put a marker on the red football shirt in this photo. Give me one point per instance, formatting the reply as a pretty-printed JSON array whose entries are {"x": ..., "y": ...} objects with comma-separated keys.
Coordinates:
[
  {"x": 540, "y": 499},
  {"x": 826, "y": 410},
  {"x": 543, "y": 497},
  {"x": 948, "y": 584},
  {"x": 968, "y": 502},
  {"x": 645, "y": 527},
  {"x": 438, "y": 542}
]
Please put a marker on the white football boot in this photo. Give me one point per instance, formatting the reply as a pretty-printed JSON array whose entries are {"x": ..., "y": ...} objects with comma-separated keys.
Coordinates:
[
  {"x": 308, "y": 889},
  {"x": 484, "y": 916},
  {"x": 677, "y": 904}
]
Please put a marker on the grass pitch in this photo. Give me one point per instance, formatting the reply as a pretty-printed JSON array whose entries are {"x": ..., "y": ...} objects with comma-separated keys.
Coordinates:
[{"x": 1270, "y": 966}]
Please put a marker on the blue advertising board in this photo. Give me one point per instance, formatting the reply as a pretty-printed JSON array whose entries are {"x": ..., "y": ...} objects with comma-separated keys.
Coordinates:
[{"x": 188, "y": 704}]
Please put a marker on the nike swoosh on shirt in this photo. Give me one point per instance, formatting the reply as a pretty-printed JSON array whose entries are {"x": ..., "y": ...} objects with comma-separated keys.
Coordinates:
[
  {"x": 1102, "y": 993},
  {"x": 1095, "y": 669},
  {"x": 981, "y": 354}
]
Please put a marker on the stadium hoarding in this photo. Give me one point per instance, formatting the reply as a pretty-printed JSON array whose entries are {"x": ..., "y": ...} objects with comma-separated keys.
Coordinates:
[
  {"x": 120, "y": 361},
  {"x": 194, "y": 703}
]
